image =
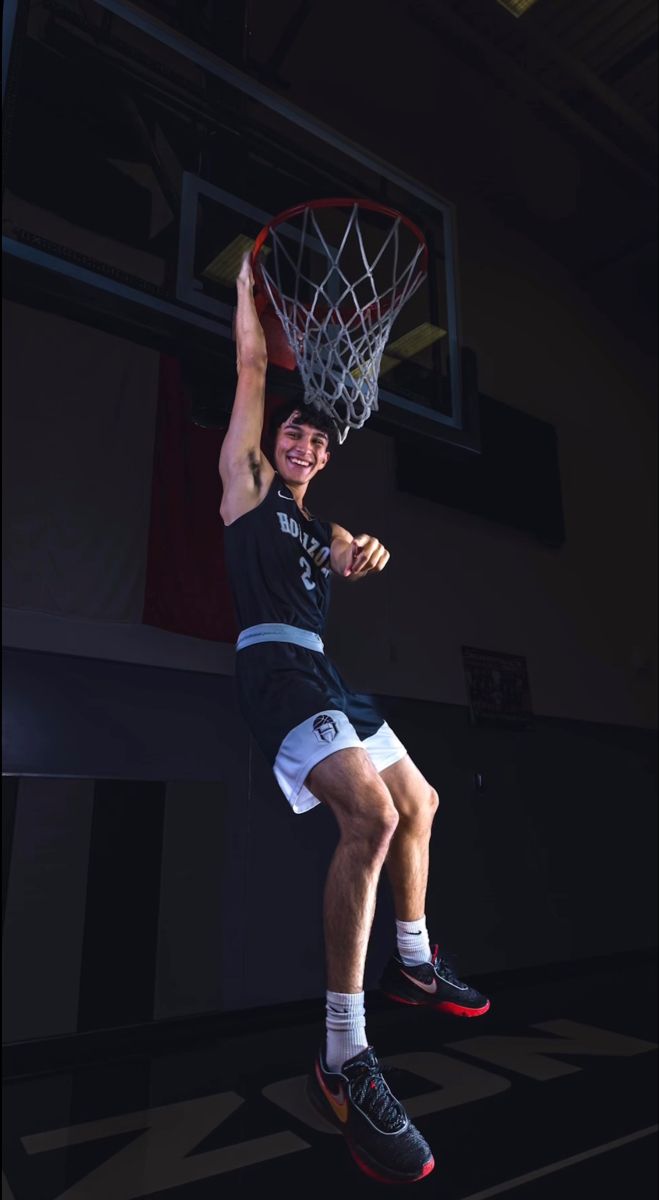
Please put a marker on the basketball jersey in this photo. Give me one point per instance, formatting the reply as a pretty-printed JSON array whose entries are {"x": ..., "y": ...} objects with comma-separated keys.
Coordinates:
[{"x": 278, "y": 563}]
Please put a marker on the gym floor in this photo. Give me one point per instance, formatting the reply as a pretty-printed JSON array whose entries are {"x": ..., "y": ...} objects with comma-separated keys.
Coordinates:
[{"x": 552, "y": 1094}]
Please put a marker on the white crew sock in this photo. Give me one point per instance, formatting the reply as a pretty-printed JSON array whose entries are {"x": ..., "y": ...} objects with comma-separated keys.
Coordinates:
[
  {"x": 346, "y": 1027},
  {"x": 413, "y": 943}
]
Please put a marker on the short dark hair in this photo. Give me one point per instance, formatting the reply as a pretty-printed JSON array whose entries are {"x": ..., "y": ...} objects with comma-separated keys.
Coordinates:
[{"x": 308, "y": 416}]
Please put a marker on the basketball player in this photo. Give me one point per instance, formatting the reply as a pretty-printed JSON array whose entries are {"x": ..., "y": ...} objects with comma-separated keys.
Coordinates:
[{"x": 327, "y": 745}]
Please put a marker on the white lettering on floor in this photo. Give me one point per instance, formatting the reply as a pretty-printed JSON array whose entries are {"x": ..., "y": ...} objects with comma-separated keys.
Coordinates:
[
  {"x": 162, "y": 1157},
  {"x": 529, "y": 1056}
]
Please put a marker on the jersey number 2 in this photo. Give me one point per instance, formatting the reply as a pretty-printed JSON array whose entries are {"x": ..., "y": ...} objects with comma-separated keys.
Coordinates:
[{"x": 306, "y": 574}]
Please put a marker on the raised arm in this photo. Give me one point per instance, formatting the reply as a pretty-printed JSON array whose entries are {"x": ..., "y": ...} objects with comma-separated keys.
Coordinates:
[
  {"x": 356, "y": 557},
  {"x": 244, "y": 470}
]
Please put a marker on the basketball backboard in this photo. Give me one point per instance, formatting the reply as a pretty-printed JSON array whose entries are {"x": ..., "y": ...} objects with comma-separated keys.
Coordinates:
[{"x": 141, "y": 165}]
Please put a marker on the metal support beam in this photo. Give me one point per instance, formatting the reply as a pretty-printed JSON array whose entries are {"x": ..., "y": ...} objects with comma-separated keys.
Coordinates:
[
  {"x": 537, "y": 33},
  {"x": 436, "y": 17}
]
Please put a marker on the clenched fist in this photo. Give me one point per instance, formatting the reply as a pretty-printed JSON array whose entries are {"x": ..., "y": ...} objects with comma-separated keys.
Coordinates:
[{"x": 366, "y": 554}]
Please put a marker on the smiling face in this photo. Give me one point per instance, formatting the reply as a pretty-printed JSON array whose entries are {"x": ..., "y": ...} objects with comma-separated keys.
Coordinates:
[{"x": 300, "y": 451}]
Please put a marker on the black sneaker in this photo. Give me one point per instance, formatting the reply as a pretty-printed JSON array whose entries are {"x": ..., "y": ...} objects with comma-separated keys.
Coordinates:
[
  {"x": 379, "y": 1133},
  {"x": 434, "y": 985}
]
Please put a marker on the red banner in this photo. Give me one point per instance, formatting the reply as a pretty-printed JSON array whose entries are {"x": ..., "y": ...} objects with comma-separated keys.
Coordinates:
[{"x": 186, "y": 585}]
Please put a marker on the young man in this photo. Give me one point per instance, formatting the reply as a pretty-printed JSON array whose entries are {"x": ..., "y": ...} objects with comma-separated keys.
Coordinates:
[{"x": 328, "y": 745}]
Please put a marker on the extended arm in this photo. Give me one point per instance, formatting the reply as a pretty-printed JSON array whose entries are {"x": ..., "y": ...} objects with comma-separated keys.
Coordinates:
[
  {"x": 356, "y": 557},
  {"x": 243, "y": 468}
]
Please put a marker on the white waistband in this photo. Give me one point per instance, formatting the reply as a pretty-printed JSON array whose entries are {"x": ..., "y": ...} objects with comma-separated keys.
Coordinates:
[{"x": 280, "y": 633}]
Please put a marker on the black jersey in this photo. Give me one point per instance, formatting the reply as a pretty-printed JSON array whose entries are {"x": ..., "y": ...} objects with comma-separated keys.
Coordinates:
[{"x": 278, "y": 563}]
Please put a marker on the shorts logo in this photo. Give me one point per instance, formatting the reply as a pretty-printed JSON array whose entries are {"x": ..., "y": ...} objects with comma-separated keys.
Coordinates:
[{"x": 325, "y": 728}]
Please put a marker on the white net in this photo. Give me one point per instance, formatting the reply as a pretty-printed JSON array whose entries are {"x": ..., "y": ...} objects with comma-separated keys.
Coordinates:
[{"x": 337, "y": 277}]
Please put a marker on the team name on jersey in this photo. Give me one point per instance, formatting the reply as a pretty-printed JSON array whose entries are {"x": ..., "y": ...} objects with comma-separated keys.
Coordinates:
[{"x": 317, "y": 553}]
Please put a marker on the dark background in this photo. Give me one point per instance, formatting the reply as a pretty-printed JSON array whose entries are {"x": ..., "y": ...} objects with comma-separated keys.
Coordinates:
[{"x": 146, "y": 839}]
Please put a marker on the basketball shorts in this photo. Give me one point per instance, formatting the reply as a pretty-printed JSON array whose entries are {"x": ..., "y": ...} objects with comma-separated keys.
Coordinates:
[{"x": 300, "y": 712}]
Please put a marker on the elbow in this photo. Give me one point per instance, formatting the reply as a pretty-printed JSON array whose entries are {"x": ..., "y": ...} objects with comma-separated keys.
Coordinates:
[{"x": 253, "y": 363}]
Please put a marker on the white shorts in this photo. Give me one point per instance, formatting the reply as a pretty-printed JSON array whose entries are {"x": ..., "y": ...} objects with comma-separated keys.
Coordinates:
[{"x": 317, "y": 738}]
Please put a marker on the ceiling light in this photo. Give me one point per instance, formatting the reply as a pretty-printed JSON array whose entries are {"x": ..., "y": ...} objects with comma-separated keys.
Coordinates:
[{"x": 516, "y": 7}]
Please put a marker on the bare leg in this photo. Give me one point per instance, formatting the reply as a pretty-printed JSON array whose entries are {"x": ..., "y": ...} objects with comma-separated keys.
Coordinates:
[
  {"x": 409, "y": 850},
  {"x": 349, "y": 784}
]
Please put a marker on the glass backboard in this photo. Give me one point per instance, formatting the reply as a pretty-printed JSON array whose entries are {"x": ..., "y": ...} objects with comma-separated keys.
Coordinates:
[{"x": 139, "y": 167}]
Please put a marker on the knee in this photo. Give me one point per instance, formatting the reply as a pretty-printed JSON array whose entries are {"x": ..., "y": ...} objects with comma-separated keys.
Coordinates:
[
  {"x": 417, "y": 811},
  {"x": 387, "y": 821},
  {"x": 374, "y": 825},
  {"x": 429, "y": 806}
]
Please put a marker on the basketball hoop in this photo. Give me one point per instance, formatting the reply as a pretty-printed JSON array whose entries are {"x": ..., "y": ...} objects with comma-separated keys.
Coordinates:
[{"x": 339, "y": 273}]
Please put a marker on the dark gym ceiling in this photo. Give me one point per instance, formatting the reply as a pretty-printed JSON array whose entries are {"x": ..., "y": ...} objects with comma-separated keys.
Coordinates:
[{"x": 549, "y": 119}]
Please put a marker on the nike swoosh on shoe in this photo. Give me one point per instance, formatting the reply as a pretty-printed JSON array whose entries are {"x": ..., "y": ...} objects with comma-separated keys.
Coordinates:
[
  {"x": 338, "y": 1101},
  {"x": 431, "y": 988}
]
